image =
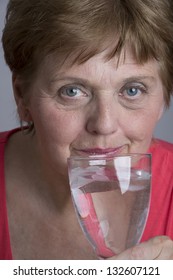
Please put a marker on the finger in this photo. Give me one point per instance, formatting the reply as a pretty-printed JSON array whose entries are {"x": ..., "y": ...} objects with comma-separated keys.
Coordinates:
[
  {"x": 166, "y": 252},
  {"x": 160, "y": 247}
]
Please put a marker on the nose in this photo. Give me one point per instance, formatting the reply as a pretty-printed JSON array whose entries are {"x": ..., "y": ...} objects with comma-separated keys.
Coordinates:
[{"x": 103, "y": 117}]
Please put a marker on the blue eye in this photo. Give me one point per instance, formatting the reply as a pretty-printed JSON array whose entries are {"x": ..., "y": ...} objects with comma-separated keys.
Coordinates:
[
  {"x": 132, "y": 91},
  {"x": 132, "y": 95},
  {"x": 73, "y": 95},
  {"x": 72, "y": 91}
]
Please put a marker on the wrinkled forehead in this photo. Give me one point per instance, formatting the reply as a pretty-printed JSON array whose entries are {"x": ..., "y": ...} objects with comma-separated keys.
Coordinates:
[
  {"x": 98, "y": 72},
  {"x": 63, "y": 62}
]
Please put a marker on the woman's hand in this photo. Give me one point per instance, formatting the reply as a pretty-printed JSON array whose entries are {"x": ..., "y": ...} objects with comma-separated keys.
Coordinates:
[{"x": 157, "y": 248}]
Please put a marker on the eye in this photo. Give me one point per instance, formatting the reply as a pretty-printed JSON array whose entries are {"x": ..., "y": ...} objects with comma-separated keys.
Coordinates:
[
  {"x": 71, "y": 91},
  {"x": 73, "y": 96},
  {"x": 133, "y": 95},
  {"x": 132, "y": 92}
]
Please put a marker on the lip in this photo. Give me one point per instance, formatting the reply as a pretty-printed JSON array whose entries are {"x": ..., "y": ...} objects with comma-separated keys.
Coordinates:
[{"x": 100, "y": 151}]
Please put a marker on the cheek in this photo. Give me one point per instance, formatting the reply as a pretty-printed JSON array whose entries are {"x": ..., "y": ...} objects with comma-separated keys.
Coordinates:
[
  {"x": 57, "y": 126},
  {"x": 140, "y": 125},
  {"x": 56, "y": 131}
]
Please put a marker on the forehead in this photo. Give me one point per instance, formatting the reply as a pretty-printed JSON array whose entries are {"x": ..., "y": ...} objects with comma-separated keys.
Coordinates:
[{"x": 53, "y": 66}]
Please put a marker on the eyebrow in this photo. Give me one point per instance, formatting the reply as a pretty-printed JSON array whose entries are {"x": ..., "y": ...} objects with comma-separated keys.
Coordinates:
[
  {"x": 139, "y": 78},
  {"x": 81, "y": 81},
  {"x": 86, "y": 82}
]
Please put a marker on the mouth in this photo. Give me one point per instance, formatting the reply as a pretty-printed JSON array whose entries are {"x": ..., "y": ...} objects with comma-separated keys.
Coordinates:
[{"x": 100, "y": 151}]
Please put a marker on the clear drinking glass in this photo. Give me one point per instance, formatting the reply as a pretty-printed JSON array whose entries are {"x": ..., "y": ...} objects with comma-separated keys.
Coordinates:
[{"x": 111, "y": 196}]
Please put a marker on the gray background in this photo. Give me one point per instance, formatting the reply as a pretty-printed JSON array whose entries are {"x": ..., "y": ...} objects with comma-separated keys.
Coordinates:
[{"x": 8, "y": 115}]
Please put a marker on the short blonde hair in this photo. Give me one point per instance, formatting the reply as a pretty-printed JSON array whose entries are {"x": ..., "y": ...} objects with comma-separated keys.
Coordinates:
[{"x": 35, "y": 29}]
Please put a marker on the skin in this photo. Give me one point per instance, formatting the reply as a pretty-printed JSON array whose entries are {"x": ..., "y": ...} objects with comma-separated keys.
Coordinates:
[
  {"x": 82, "y": 108},
  {"x": 157, "y": 248},
  {"x": 100, "y": 115}
]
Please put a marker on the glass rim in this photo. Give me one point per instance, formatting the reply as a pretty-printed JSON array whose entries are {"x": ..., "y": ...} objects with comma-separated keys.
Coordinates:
[{"x": 108, "y": 157}]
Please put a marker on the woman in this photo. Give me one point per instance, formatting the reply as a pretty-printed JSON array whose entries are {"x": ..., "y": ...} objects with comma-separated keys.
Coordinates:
[{"x": 88, "y": 77}]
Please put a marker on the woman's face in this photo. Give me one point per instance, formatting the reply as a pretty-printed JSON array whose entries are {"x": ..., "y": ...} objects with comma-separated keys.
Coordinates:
[{"x": 95, "y": 107}]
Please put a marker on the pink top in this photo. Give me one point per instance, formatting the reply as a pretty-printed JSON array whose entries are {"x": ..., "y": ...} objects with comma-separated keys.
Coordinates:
[
  {"x": 160, "y": 219},
  {"x": 5, "y": 248}
]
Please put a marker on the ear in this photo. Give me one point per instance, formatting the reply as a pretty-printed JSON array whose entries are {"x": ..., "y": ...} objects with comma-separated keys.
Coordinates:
[{"x": 20, "y": 98}]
